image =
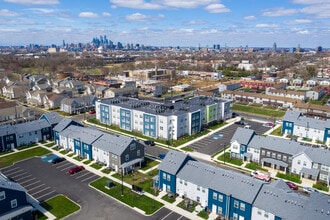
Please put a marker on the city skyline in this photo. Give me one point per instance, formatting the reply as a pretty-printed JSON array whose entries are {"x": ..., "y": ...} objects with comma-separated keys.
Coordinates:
[{"x": 255, "y": 23}]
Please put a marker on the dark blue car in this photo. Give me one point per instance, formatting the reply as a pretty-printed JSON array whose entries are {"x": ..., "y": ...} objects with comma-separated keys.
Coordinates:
[{"x": 161, "y": 156}]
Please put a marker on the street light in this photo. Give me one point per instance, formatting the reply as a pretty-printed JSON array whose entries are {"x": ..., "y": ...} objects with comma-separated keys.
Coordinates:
[{"x": 224, "y": 153}]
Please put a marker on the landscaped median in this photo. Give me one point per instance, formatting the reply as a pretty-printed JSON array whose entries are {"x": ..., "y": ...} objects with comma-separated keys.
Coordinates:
[
  {"x": 22, "y": 155},
  {"x": 127, "y": 196}
]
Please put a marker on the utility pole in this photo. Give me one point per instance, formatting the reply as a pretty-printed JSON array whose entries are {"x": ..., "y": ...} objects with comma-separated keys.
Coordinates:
[{"x": 122, "y": 181}]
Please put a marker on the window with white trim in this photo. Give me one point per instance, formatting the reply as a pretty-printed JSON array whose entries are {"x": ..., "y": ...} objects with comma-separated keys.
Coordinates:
[
  {"x": 13, "y": 203},
  {"x": 2, "y": 195}
]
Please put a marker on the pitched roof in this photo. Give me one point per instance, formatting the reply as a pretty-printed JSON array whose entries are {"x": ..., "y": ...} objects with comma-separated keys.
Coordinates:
[
  {"x": 318, "y": 207},
  {"x": 317, "y": 155},
  {"x": 51, "y": 117},
  {"x": 6, "y": 130},
  {"x": 173, "y": 162},
  {"x": 30, "y": 126},
  {"x": 64, "y": 123},
  {"x": 281, "y": 202},
  {"x": 8, "y": 184},
  {"x": 115, "y": 144},
  {"x": 243, "y": 136}
]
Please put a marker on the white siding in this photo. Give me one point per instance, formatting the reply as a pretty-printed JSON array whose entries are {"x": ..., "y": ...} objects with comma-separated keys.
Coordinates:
[
  {"x": 300, "y": 161},
  {"x": 258, "y": 214},
  {"x": 189, "y": 190}
]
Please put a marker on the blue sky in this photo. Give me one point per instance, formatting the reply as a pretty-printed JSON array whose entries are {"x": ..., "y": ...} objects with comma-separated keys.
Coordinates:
[{"x": 256, "y": 23}]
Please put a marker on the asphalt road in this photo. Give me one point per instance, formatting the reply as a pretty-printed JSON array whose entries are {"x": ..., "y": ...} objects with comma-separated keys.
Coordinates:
[
  {"x": 215, "y": 143},
  {"x": 45, "y": 180}
]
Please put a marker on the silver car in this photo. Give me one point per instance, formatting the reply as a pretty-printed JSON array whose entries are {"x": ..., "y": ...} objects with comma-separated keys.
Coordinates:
[{"x": 309, "y": 190}]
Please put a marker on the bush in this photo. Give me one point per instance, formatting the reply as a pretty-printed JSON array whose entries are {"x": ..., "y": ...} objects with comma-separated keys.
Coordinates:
[
  {"x": 321, "y": 186},
  {"x": 290, "y": 177}
]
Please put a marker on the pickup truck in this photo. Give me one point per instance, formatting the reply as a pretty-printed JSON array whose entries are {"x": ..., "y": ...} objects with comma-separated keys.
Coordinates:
[{"x": 260, "y": 175}]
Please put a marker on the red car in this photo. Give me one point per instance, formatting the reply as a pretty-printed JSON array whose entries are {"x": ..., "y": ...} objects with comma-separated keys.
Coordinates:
[
  {"x": 92, "y": 112},
  {"x": 75, "y": 169},
  {"x": 292, "y": 185}
]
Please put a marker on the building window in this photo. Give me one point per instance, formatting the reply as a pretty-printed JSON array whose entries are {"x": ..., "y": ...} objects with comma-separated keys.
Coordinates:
[
  {"x": 299, "y": 162},
  {"x": 273, "y": 155},
  {"x": 304, "y": 163},
  {"x": 181, "y": 182},
  {"x": 242, "y": 206},
  {"x": 215, "y": 196},
  {"x": 268, "y": 154},
  {"x": 266, "y": 214},
  {"x": 220, "y": 198},
  {"x": 284, "y": 158},
  {"x": 198, "y": 188},
  {"x": 13, "y": 203},
  {"x": 164, "y": 176},
  {"x": 235, "y": 216},
  {"x": 315, "y": 165},
  {"x": 220, "y": 210},
  {"x": 2, "y": 195},
  {"x": 279, "y": 156},
  {"x": 138, "y": 153},
  {"x": 259, "y": 212},
  {"x": 236, "y": 204},
  {"x": 185, "y": 183},
  {"x": 168, "y": 177},
  {"x": 133, "y": 146},
  {"x": 263, "y": 152}
]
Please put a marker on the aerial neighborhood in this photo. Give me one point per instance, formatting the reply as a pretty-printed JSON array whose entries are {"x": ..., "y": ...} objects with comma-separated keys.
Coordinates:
[{"x": 207, "y": 134}]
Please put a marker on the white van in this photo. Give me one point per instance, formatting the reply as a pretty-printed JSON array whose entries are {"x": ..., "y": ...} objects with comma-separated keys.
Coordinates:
[{"x": 247, "y": 126}]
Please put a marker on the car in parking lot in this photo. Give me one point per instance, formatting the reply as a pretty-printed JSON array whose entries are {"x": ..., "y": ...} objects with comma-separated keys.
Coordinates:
[
  {"x": 291, "y": 185},
  {"x": 268, "y": 125},
  {"x": 58, "y": 160},
  {"x": 241, "y": 122},
  {"x": 309, "y": 190},
  {"x": 92, "y": 112},
  {"x": 75, "y": 169},
  {"x": 149, "y": 143},
  {"x": 161, "y": 156}
]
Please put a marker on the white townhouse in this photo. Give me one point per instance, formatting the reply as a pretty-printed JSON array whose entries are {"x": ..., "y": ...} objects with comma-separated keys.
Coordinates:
[{"x": 162, "y": 120}]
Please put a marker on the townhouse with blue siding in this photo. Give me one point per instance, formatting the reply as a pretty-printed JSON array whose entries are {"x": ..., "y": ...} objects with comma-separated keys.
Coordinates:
[
  {"x": 53, "y": 118},
  {"x": 166, "y": 121},
  {"x": 7, "y": 138},
  {"x": 233, "y": 195},
  {"x": 63, "y": 124},
  {"x": 13, "y": 200},
  {"x": 294, "y": 123}
]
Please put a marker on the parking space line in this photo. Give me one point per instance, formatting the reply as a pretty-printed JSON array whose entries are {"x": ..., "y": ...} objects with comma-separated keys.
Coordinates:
[
  {"x": 27, "y": 181},
  {"x": 11, "y": 173},
  {"x": 13, "y": 177},
  {"x": 31, "y": 184},
  {"x": 66, "y": 168},
  {"x": 18, "y": 179},
  {"x": 64, "y": 163},
  {"x": 37, "y": 187},
  {"x": 82, "y": 175},
  {"x": 180, "y": 217},
  {"x": 41, "y": 190},
  {"x": 11, "y": 169},
  {"x": 88, "y": 178},
  {"x": 44, "y": 195},
  {"x": 167, "y": 215}
]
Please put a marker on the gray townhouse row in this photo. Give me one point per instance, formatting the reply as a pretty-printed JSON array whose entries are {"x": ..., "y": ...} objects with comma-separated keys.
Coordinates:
[
  {"x": 233, "y": 195},
  {"x": 281, "y": 154}
]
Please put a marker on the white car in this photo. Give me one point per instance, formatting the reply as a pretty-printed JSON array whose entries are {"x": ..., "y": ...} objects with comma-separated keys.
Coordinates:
[
  {"x": 261, "y": 175},
  {"x": 309, "y": 190}
]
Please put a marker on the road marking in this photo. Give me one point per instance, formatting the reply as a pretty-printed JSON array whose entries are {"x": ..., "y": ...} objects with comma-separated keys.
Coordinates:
[
  {"x": 41, "y": 190},
  {"x": 13, "y": 177},
  {"x": 37, "y": 187},
  {"x": 180, "y": 217},
  {"x": 18, "y": 179},
  {"x": 44, "y": 195},
  {"x": 88, "y": 178},
  {"x": 62, "y": 165},
  {"x": 11, "y": 173},
  {"x": 82, "y": 175},
  {"x": 66, "y": 168},
  {"x": 31, "y": 184},
  {"x": 15, "y": 168},
  {"x": 27, "y": 181},
  {"x": 167, "y": 215}
]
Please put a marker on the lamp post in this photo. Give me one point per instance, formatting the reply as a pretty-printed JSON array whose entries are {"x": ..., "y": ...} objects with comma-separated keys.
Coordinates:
[
  {"x": 122, "y": 181},
  {"x": 224, "y": 153}
]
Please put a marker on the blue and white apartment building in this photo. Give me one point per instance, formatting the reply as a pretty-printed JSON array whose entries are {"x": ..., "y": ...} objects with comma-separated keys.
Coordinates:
[
  {"x": 162, "y": 120},
  {"x": 236, "y": 196}
]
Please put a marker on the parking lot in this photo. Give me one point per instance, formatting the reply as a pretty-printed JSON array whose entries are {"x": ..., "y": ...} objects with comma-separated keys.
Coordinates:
[
  {"x": 215, "y": 142},
  {"x": 45, "y": 180}
]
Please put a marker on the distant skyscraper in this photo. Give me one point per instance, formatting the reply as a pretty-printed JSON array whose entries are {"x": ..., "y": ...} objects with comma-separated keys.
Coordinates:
[
  {"x": 274, "y": 46},
  {"x": 63, "y": 43}
]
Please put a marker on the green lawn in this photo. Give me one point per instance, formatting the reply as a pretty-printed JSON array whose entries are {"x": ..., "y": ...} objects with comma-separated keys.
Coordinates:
[
  {"x": 87, "y": 162},
  {"x": 186, "y": 205},
  {"x": 187, "y": 149},
  {"x": 49, "y": 145},
  {"x": 10, "y": 159},
  {"x": 26, "y": 146},
  {"x": 142, "y": 202},
  {"x": 227, "y": 159},
  {"x": 139, "y": 179},
  {"x": 277, "y": 132},
  {"x": 149, "y": 163},
  {"x": 60, "y": 206},
  {"x": 96, "y": 166},
  {"x": 258, "y": 110},
  {"x": 291, "y": 177}
]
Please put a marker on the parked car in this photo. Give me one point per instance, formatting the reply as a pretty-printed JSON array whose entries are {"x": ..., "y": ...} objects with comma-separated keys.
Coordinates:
[
  {"x": 261, "y": 175},
  {"x": 247, "y": 126},
  {"x": 149, "y": 143},
  {"x": 291, "y": 185},
  {"x": 240, "y": 122},
  {"x": 75, "y": 169},
  {"x": 92, "y": 112},
  {"x": 268, "y": 125},
  {"x": 309, "y": 190},
  {"x": 161, "y": 156},
  {"x": 58, "y": 160}
]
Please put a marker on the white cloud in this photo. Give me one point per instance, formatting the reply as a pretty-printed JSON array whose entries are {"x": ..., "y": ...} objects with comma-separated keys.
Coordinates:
[
  {"x": 250, "y": 18},
  {"x": 277, "y": 12},
  {"x": 88, "y": 14},
  {"x": 303, "y": 32},
  {"x": 16, "y": 22},
  {"x": 195, "y": 22},
  {"x": 320, "y": 10},
  {"x": 142, "y": 17},
  {"x": 106, "y": 14},
  {"x": 137, "y": 4},
  {"x": 298, "y": 21},
  {"x": 186, "y": 3},
  {"x": 211, "y": 31},
  {"x": 217, "y": 8},
  {"x": 7, "y": 13},
  {"x": 266, "y": 26},
  {"x": 310, "y": 2},
  {"x": 42, "y": 10},
  {"x": 34, "y": 2}
]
